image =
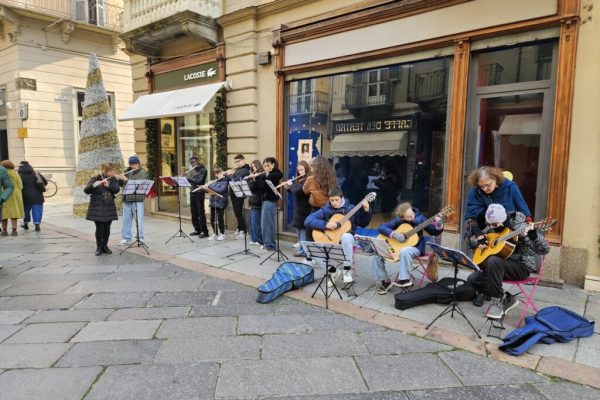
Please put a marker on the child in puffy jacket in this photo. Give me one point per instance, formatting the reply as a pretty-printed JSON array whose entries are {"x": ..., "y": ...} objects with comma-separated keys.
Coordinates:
[{"x": 218, "y": 204}]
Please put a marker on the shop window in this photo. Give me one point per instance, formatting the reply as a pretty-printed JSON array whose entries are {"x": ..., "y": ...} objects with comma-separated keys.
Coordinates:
[{"x": 383, "y": 130}]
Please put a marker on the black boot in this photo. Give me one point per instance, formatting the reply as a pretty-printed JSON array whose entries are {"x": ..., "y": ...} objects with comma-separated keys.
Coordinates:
[
  {"x": 25, "y": 225},
  {"x": 98, "y": 251},
  {"x": 37, "y": 227},
  {"x": 106, "y": 250}
]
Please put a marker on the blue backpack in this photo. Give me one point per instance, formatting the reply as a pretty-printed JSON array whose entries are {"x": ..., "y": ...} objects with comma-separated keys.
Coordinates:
[
  {"x": 289, "y": 276},
  {"x": 549, "y": 325}
]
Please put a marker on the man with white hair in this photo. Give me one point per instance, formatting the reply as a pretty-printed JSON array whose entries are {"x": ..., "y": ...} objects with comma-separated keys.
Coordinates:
[{"x": 495, "y": 269}]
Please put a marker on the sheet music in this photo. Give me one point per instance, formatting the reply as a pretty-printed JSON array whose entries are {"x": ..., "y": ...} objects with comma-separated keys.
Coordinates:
[
  {"x": 381, "y": 247},
  {"x": 273, "y": 188},
  {"x": 453, "y": 255},
  {"x": 138, "y": 186},
  {"x": 240, "y": 189},
  {"x": 175, "y": 181}
]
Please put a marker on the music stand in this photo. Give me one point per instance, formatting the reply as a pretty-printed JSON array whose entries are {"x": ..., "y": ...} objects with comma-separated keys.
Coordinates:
[
  {"x": 177, "y": 182},
  {"x": 242, "y": 190},
  {"x": 456, "y": 257},
  {"x": 376, "y": 247},
  {"x": 141, "y": 186},
  {"x": 280, "y": 255},
  {"x": 327, "y": 252}
]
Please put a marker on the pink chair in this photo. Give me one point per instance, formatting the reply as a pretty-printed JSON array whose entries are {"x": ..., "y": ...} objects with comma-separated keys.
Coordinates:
[
  {"x": 422, "y": 265},
  {"x": 532, "y": 280}
]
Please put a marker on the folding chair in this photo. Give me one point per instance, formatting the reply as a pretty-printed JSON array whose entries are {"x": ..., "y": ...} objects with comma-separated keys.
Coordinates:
[
  {"x": 424, "y": 261},
  {"x": 528, "y": 295}
]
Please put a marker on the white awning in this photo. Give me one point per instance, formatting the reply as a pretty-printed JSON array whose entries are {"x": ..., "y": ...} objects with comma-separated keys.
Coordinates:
[
  {"x": 173, "y": 103},
  {"x": 369, "y": 144}
]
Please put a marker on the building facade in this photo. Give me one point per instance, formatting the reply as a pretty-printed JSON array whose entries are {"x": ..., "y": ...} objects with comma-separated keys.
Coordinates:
[
  {"x": 406, "y": 97},
  {"x": 45, "y": 48}
]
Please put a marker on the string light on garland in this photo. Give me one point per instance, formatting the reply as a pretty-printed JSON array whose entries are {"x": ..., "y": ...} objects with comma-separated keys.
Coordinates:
[
  {"x": 220, "y": 131},
  {"x": 151, "y": 131}
]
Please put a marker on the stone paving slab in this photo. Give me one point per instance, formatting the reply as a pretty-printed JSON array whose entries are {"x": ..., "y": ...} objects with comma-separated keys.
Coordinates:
[
  {"x": 193, "y": 327},
  {"x": 14, "y": 317},
  {"x": 347, "y": 396},
  {"x": 289, "y": 377},
  {"x": 55, "y": 332},
  {"x": 472, "y": 370},
  {"x": 265, "y": 324},
  {"x": 313, "y": 345},
  {"x": 566, "y": 390},
  {"x": 47, "y": 384},
  {"x": 157, "y": 382},
  {"x": 149, "y": 313},
  {"x": 588, "y": 352},
  {"x": 324, "y": 322},
  {"x": 394, "y": 342},
  {"x": 117, "y": 330},
  {"x": 69, "y": 315},
  {"x": 24, "y": 289},
  {"x": 137, "y": 285},
  {"x": 110, "y": 353},
  {"x": 232, "y": 310},
  {"x": 209, "y": 348},
  {"x": 514, "y": 392},
  {"x": 181, "y": 299},
  {"x": 405, "y": 372},
  {"x": 36, "y": 355},
  {"x": 40, "y": 302},
  {"x": 212, "y": 284},
  {"x": 8, "y": 330},
  {"x": 116, "y": 300}
]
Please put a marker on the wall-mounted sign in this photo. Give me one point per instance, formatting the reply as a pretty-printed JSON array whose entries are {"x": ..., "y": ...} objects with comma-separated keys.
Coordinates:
[
  {"x": 26, "y": 83},
  {"x": 191, "y": 76},
  {"x": 21, "y": 133},
  {"x": 383, "y": 125},
  {"x": 23, "y": 110}
]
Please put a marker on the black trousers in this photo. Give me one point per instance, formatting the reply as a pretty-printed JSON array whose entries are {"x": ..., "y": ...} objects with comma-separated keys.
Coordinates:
[
  {"x": 102, "y": 233},
  {"x": 493, "y": 271},
  {"x": 238, "y": 205},
  {"x": 218, "y": 225},
  {"x": 198, "y": 214}
]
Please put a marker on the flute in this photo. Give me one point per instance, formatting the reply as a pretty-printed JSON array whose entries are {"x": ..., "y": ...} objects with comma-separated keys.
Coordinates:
[
  {"x": 254, "y": 175},
  {"x": 290, "y": 180},
  {"x": 206, "y": 187},
  {"x": 190, "y": 170},
  {"x": 208, "y": 183}
]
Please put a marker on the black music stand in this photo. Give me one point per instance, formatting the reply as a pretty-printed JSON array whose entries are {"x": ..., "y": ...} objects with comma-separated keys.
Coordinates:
[
  {"x": 376, "y": 247},
  {"x": 177, "y": 182},
  {"x": 327, "y": 252},
  {"x": 280, "y": 255},
  {"x": 456, "y": 257},
  {"x": 242, "y": 190},
  {"x": 141, "y": 186}
]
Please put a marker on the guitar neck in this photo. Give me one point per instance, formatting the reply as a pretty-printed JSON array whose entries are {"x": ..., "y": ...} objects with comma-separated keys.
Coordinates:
[
  {"x": 351, "y": 213},
  {"x": 421, "y": 226},
  {"x": 519, "y": 231}
]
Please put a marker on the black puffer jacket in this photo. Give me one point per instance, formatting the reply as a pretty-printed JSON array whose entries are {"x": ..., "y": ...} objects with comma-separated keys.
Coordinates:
[
  {"x": 197, "y": 177},
  {"x": 31, "y": 193},
  {"x": 102, "y": 200},
  {"x": 302, "y": 207},
  {"x": 238, "y": 175},
  {"x": 255, "y": 185}
]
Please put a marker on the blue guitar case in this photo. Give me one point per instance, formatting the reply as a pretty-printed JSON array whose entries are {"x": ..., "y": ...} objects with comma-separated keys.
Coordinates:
[{"x": 289, "y": 276}]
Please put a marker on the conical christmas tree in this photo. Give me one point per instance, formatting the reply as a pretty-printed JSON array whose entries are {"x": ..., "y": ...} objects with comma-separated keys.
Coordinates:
[{"x": 98, "y": 141}]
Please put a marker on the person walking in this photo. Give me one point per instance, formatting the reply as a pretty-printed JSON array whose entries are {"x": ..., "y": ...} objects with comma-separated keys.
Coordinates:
[
  {"x": 34, "y": 185},
  {"x": 133, "y": 204},
  {"x": 6, "y": 188},
  {"x": 102, "y": 189},
  {"x": 13, "y": 206}
]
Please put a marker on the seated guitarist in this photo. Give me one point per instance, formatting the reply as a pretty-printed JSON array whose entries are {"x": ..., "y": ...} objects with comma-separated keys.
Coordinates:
[
  {"x": 319, "y": 220},
  {"x": 405, "y": 214},
  {"x": 495, "y": 269}
]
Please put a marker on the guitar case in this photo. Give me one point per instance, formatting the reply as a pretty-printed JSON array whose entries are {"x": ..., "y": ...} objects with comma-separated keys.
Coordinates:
[
  {"x": 288, "y": 276},
  {"x": 436, "y": 292}
]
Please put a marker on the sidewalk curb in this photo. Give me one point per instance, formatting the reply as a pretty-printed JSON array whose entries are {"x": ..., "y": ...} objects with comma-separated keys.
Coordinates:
[{"x": 548, "y": 365}]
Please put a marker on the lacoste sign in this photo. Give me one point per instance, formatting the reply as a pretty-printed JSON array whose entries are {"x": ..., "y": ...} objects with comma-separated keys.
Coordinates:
[{"x": 190, "y": 76}]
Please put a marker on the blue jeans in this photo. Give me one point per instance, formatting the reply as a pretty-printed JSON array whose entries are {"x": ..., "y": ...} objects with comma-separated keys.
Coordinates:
[
  {"x": 404, "y": 263},
  {"x": 129, "y": 212},
  {"x": 33, "y": 209},
  {"x": 255, "y": 230},
  {"x": 268, "y": 218},
  {"x": 301, "y": 233}
]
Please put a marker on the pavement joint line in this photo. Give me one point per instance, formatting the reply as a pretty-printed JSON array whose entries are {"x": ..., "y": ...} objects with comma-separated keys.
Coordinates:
[{"x": 547, "y": 365}]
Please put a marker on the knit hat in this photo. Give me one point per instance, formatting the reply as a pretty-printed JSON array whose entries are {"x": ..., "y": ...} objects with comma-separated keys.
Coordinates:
[
  {"x": 495, "y": 213},
  {"x": 134, "y": 159}
]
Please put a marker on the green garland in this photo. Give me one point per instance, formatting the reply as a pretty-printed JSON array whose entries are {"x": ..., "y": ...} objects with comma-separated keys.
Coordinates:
[
  {"x": 220, "y": 132},
  {"x": 151, "y": 130}
]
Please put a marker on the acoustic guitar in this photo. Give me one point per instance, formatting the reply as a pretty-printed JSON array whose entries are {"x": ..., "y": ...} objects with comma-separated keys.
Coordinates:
[
  {"x": 411, "y": 233},
  {"x": 333, "y": 236},
  {"x": 501, "y": 245}
]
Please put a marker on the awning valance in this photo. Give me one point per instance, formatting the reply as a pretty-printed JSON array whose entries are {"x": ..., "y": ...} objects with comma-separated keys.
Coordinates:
[
  {"x": 369, "y": 144},
  {"x": 173, "y": 103}
]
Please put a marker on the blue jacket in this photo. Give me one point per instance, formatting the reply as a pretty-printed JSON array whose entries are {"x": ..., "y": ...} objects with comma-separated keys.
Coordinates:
[
  {"x": 388, "y": 227},
  {"x": 507, "y": 194},
  {"x": 318, "y": 220},
  {"x": 221, "y": 188}
]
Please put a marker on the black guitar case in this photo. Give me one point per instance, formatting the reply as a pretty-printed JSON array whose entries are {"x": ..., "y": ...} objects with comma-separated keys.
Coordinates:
[{"x": 435, "y": 292}]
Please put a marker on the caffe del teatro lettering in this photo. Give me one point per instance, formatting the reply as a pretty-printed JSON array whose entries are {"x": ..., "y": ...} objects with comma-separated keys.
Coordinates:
[{"x": 384, "y": 125}]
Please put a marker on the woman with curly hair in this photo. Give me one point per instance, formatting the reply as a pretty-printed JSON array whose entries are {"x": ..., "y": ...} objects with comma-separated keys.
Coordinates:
[{"x": 318, "y": 184}]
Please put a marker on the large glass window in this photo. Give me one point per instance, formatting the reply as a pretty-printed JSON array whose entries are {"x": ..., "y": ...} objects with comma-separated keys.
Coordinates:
[{"x": 383, "y": 130}]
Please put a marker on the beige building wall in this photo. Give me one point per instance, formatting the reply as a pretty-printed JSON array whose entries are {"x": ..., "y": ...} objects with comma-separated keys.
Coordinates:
[
  {"x": 581, "y": 239},
  {"x": 59, "y": 68}
]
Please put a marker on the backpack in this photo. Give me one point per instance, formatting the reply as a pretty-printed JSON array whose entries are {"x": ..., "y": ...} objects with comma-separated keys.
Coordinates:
[
  {"x": 549, "y": 325},
  {"x": 288, "y": 276}
]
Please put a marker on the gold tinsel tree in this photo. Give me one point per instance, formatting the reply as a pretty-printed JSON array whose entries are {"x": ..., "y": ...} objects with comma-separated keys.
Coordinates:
[{"x": 98, "y": 141}]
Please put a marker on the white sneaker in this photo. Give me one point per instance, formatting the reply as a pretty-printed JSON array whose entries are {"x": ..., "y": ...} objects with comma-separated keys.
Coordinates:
[
  {"x": 334, "y": 276},
  {"x": 212, "y": 237},
  {"x": 124, "y": 242},
  {"x": 297, "y": 245},
  {"x": 221, "y": 237},
  {"x": 347, "y": 278},
  {"x": 240, "y": 235},
  {"x": 253, "y": 243},
  {"x": 237, "y": 232}
]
